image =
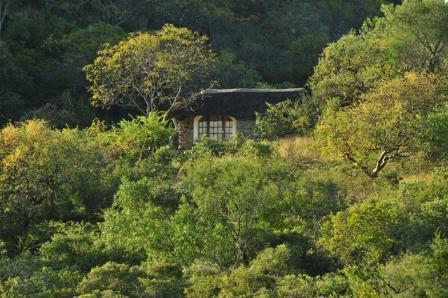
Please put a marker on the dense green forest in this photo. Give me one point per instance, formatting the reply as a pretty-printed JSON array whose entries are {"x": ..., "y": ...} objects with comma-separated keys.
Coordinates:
[
  {"x": 341, "y": 194},
  {"x": 45, "y": 44}
]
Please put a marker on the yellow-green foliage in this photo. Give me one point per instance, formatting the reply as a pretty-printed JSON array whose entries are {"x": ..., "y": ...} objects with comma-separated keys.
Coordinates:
[
  {"x": 363, "y": 233},
  {"x": 117, "y": 211},
  {"x": 150, "y": 71},
  {"x": 385, "y": 124},
  {"x": 47, "y": 173}
]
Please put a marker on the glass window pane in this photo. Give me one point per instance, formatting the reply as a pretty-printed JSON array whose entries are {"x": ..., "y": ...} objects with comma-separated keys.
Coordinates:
[{"x": 216, "y": 127}]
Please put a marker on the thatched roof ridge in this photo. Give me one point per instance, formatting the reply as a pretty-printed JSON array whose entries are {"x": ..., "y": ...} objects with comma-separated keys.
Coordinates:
[
  {"x": 242, "y": 102},
  {"x": 251, "y": 90}
]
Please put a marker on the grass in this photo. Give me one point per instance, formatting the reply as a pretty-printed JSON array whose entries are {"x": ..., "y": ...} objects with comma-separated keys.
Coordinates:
[{"x": 295, "y": 147}]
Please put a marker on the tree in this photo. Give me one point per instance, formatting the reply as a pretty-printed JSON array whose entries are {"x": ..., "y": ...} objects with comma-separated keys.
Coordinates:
[
  {"x": 112, "y": 279},
  {"x": 43, "y": 282},
  {"x": 362, "y": 234},
  {"x": 4, "y": 6},
  {"x": 273, "y": 273},
  {"x": 138, "y": 221},
  {"x": 257, "y": 277},
  {"x": 118, "y": 12},
  {"x": 230, "y": 215},
  {"x": 421, "y": 274},
  {"x": 284, "y": 119},
  {"x": 260, "y": 276},
  {"x": 411, "y": 37},
  {"x": 234, "y": 73},
  {"x": 75, "y": 245},
  {"x": 384, "y": 126},
  {"x": 233, "y": 209},
  {"x": 304, "y": 54},
  {"x": 79, "y": 48},
  {"x": 434, "y": 136},
  {"x": 141, "y": 136},
  {"x": 162, "y": 70},
  {"x": 47, "y": 174},
  {"x": 416, "y": 34},
  {"x": 13, "y": 80},
  {"x": 302, "y": 285},
  {"x": 347, "y": 68}
]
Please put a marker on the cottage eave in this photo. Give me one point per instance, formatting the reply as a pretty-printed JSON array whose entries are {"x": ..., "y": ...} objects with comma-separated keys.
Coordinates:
[
  {"x": 241, "y": 102},
  {"x": 251, "y": 90}
]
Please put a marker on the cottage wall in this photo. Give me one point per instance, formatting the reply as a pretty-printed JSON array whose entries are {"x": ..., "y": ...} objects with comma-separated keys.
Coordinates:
[
  {"x": 241, "y": 104},
  {"x": 245, "y": 126},
  {"x": 184, "y": 127}
]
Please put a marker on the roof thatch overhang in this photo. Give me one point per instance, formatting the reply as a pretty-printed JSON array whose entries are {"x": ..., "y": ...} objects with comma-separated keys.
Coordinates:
[{"x": 237, "y": 102}]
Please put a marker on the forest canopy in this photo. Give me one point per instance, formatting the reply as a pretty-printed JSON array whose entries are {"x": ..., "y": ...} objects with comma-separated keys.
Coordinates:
[
  {"x": 341, "y": 194},
  {"x": 45, "y": 44}
]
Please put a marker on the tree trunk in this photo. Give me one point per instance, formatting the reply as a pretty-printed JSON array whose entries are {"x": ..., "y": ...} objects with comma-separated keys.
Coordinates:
[{"x": 4, "y": 5}]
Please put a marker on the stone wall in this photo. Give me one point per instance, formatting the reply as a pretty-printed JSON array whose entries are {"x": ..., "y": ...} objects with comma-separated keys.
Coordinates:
[
  {"x": 245, "y": 126},
  {"x": 184, "y": 126}
]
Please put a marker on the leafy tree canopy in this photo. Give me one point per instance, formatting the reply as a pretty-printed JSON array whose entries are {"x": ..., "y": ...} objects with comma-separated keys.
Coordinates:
[{"x": 150, "y": 72}]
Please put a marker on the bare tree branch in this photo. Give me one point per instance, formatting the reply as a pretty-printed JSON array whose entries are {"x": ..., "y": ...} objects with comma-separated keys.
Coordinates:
[
  {"x": 4, "y": 5},
  {"x": 381, "y": 162},
  {"x": 349, "y": 157}
]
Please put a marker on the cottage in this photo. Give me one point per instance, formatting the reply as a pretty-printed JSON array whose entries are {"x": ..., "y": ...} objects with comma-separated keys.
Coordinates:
[{"x": 222, "y": 113}]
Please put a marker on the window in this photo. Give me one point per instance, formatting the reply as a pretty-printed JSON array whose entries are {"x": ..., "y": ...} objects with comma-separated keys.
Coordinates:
[{"x": 216, "y": 127}]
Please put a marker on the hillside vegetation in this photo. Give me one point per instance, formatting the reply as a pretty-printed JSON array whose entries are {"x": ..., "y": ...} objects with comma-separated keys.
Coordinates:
[
  {"x": 344, "y": 194},
  {"x": 44, "y": 44}
]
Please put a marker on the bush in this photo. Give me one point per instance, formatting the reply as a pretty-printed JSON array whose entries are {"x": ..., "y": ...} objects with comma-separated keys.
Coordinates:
[{"x": 281, "y": 120}]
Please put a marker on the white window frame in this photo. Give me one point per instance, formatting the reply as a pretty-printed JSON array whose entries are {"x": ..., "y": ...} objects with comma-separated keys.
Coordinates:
[{"x": 196, "y": 120}]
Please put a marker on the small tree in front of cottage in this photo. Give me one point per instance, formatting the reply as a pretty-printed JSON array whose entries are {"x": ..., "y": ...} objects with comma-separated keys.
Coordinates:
[
  {"x": 283, "y": 119},
  {"x": 152, "y": 71}
]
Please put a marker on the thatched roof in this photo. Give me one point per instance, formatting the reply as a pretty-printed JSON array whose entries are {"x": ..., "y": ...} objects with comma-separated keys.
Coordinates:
[{"x": 237, "y": 102}]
